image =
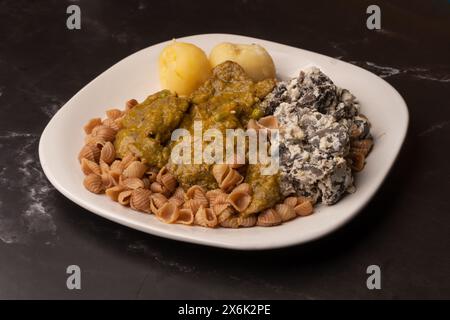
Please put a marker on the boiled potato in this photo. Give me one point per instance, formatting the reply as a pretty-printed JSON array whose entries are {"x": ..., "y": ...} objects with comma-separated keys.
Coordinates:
[
  {"x": 183, "y": 67},
  {"x": 255, "y": 60}
]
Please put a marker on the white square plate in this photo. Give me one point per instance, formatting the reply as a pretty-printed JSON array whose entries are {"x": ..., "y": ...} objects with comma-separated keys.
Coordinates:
[{"x": 136, "y": 77}]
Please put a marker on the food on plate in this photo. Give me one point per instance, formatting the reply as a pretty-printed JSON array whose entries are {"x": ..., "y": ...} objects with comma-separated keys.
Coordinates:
[
  {"x": 321, "y": 127},
  {"x": 323, "y": 140},
  {"x": 183, "y": 67},
  {"x": 227, "y": 100},
  {"x": 253, "y": 58}
]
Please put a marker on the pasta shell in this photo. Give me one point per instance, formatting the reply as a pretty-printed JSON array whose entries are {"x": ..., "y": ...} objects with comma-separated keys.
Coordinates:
[
  {"x": 219, "y": 208},
  {"x": 116, "y": 166},
  {"x": 157, "y": 200},
  {"x": 159, "y": 188},
  {"x": 89, "y": 167},
  {"x": 291, "y": 201},
  {"x": 88, "y": 127},
  {"x": 113, "y": 192},
  {"x": 357, "y": 161},
  {"x": 301, "y": 199},
  {"x": 104, "y": 167},
  {"x": 205, "y": 217},
  {"x": 124, "y": 197},
  {"x": 127, "y": 160},
  {"x": 220, "y": 171},
  {"x": 133, "y": 183},
  {"x": 103, "y": 133},
  {"x": 193, "y": 204},
  {"x": 113, "y": 114},
  {"x": 169, "y": 181},
  {"x": 168, "y": 213},
  {"x": 185, "y": 216},
  {"x": 108, "y": 180},
  {"x": 216, "y": 197},
  {"x": 163, "y": 171},
  {"x": 197, "y": 193},
  {"x": 135, "y": 169},
  {"x": 244, "y": 187},
  {"x": 130, "y": 104},
  {"x": 304, "y": 209},
  {"x": 361, "y": 146},
  {"x": 177, "y": 201},
  {"x": 268, "y": 218},
  {"x": 108, "y": 153},
  {"x": 179, "y": 193},
  {"x": 231, "y": 222},
  {"x": 269, "y": 122},
  {"x": 111, "y": 124},
  {"x": 285, "y": 211},
  {"x": 94, "y": 141},
  {"x": 232, "y": 179},
  {"x": 225, "y": 214},
  {"x": 239, "y": 200},
  {"x": 90, "y": 152},
  {"x": 248, "y": 221},
  {"x": 140, "y": 200},
  {"x": 93, "y": 183}
]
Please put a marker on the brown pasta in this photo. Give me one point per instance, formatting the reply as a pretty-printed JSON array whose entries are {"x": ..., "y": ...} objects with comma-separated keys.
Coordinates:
[
  {"x": 104, "y": 133},
  {"x": 240, "y": 200},
  {"x": 248, "y": 221},
  {"x": 304, "y": 208},
  {"x": 89, "y": 152},
  {"x": 108, "y": 153},
  {"x": 114, "y": 114},
  {"x": 89, "y": 167},
  {"x": 268, "y": 218},
  {"x": 157, "y": 200},
  {"x": 130, "y": 104},
  {"x": 231, "y": 222},
  {"x": 168, "y": 213},
  {"x": 216, "y": 196},
  {"x": 285, "y": 211},
  {"x": 93, "y": 183},
  {"x": 124, "y": 197},
  {"x": 135, "y": 169},
  {"x": 185, "y": 216},
  {"x": 226, "y": 177},
  {"x": 132, "y": 183},
  {"x": 112, "y": 124},
  {"x": 92, "y": 124},
  {"x": 140, "y": 200},
  {"x": 205, "y": 217},
  {"x": 113, "y": 192}
]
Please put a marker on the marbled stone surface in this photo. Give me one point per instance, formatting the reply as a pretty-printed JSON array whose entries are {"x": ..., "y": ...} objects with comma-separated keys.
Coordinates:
[{"x": 405, "y": 229}]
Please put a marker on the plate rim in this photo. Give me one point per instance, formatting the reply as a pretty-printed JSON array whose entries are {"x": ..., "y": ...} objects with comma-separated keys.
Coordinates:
[{"x": 211, "y": 242}]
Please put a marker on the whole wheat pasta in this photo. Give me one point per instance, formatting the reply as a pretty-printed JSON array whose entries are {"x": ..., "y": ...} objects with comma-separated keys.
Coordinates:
[
  {"x": 239, "y": 200},
  {"x": 304, "y": 209},
  {"x": 157, "y": 200},
  {"x": 89, "y": 167},
  {"x": 268, "y": 218},
  {"x": 216, "y": 196},
  {"x": 285, "y": 211},
  {"x": 89, "y": 152},
  {"x": 226, "y": 177},
  {"x": 205, "y": 217},
  {"x": 124, "y": 197},
  {"x": 168, "y": 212},
  {"x": 140, "y": 200},
  {"x": 113, "y": 192},
  {"x": 108, "y": 153},
  {"x": 113, "y": 114},
  {"x": 91, "y": 125},
  {"x": 93, "y": 183},
  {"x": 248, "y": 221},
  {"x": 185, "y": 216}
]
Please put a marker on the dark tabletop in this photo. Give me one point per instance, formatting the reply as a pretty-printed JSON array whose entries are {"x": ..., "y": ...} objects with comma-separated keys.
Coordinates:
[{"x": 405, "y": 229}]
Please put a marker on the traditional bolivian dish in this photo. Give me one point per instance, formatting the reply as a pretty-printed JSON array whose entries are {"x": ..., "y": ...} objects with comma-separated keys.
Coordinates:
[{"x": 145, "y": 156}]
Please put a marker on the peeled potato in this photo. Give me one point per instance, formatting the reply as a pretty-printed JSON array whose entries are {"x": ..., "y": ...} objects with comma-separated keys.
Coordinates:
[
  {"x": 255, "y": 60},
  {"x": 183, "y": 67}
]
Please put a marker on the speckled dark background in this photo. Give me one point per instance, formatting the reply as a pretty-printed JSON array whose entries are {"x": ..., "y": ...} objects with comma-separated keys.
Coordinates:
[{"x": 404, "y": 229}]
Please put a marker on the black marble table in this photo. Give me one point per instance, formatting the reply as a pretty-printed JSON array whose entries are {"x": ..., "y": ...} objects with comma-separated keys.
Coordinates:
[{"x": 405, "y": 229}]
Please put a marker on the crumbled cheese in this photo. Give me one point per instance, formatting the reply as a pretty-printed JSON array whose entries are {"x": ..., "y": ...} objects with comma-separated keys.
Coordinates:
[{"x": 316, "y": 119}]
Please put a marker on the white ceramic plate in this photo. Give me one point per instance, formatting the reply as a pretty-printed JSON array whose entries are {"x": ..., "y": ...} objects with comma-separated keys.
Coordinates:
[{"x": 136, "y": 77}]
